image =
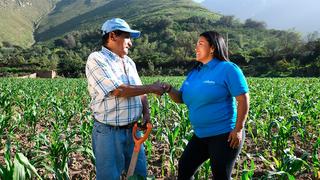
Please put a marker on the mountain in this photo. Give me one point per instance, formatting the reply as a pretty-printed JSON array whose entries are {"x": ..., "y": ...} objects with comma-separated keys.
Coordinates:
[
  {"x": 19, "y": 18},
  {"x": 23, "y": 22},
  {"x": 67, "y": 33},
  {"x": 83, "y": 15},
  {"x": 67, "y": 16},
  {"x": 278, "y": 14}
]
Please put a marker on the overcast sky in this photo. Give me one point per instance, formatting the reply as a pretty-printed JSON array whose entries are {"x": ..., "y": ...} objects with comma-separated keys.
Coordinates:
[{"x": 302, "y": 15}]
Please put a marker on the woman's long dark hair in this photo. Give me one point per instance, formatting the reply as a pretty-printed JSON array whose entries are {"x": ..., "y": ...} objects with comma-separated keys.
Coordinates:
[{"x": 217, "y": 42}]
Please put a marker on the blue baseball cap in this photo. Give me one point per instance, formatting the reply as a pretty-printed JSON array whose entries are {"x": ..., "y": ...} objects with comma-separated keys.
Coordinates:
[{"x": 118, "y": 24}]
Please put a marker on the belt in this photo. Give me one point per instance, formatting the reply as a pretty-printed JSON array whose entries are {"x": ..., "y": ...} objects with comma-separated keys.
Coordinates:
[{"x": 128, "y": 126}]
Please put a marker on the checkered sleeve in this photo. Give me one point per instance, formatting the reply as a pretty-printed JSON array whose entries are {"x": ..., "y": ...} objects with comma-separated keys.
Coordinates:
[{"x": 100, "y": 75}]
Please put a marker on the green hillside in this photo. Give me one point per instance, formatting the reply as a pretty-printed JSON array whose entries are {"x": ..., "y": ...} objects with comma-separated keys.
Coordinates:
[
  {"x": 19, "y": 18},
  {"x": 84, "y": 15},
  {"x": 67, "y": 16}
]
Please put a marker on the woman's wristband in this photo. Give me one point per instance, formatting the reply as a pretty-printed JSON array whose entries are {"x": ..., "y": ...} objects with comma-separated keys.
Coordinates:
[{"x": 169, "y": 89}]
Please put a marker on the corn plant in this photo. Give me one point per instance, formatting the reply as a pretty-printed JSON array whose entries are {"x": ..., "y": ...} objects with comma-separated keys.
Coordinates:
[
  {"x": 49, "y": 121},
  {"x": 18, "y": 168},
  {"x": 248, "y": 172}
]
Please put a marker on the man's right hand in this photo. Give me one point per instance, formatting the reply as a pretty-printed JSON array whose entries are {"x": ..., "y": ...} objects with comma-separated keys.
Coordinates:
[
  {"x": 158, "y": 88},
  {"x": 167, "y": 87},
  {"x": 136, "y": 90}
]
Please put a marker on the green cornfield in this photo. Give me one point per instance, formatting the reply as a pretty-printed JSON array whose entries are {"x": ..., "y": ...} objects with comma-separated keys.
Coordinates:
[{"x": 45, "y": 130}]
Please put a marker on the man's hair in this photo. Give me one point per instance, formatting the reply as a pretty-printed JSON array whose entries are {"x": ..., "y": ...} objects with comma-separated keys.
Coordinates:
[{"x": 105, "y": 37}]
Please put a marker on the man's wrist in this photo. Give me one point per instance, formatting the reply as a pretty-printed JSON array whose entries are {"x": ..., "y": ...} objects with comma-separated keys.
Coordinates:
[{"x": 149, "y": 89}]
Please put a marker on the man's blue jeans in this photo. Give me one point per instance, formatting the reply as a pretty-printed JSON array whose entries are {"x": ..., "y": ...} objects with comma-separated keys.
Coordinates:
[{"x": 112, "y": 148}]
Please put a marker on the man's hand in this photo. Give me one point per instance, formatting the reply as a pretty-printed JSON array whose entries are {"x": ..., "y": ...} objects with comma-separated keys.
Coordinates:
[
  {"x": 136, "y": 90},
  {"x": 167, "y": 87},
  {"x": 158, "y": 88},
  {"x": 145, "y": 120}
]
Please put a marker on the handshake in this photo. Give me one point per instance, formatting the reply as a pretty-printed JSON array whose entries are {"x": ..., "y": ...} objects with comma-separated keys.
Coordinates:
[{"x": 160, "y": 88}]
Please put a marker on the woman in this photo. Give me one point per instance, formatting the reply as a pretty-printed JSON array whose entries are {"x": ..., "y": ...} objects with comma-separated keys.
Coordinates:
[{"x": 216, "y": 94}]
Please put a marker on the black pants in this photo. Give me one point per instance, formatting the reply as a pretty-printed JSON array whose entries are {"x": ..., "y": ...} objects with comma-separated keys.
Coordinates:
[{"x": 217, "y": 148}]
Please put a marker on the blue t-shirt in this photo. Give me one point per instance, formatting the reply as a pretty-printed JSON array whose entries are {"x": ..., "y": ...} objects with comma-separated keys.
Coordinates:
[{"x": 209, "y": 93}]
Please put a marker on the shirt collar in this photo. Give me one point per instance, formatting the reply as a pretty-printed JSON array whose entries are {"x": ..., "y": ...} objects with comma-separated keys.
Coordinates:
[
  {"x": 112, "y": 56},
  {"x": 212, "y": 63}
]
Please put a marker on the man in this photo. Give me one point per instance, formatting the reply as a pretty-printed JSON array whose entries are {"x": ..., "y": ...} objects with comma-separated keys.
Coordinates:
[{"x": 118, "y": 99}]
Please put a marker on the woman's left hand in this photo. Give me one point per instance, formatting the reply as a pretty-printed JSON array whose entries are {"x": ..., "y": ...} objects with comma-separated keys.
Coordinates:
[{"x": 235, "y": 138}]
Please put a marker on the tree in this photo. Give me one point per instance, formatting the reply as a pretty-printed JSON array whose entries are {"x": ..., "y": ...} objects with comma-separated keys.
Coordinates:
[
  {"x": 164, "y": 22},
  {"x": 290, "y": 43},
  {"x": 68, "y": 42},
  {"x": 249, "y": 23},
  {"x": 71, "y": 65},
  {"x": 272, "y": 46},
  {"x": 186, "y": 42},
  {"x": 228, "y": 21},
  {"x": 313, "y": 36}
]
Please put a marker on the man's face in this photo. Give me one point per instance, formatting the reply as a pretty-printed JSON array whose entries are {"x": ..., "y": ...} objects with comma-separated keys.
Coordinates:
[{"x": 122, "y": 44}]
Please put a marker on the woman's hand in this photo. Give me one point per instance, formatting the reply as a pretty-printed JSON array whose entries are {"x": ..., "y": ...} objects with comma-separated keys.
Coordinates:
[
  {"x": 235, "y": 138},
  {"x": 158, "y": 88},
  {"x": 167, "y": 87}
]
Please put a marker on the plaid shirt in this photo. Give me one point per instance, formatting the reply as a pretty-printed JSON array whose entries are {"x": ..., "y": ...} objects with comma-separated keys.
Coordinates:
[{"x": 105, "y": 72}]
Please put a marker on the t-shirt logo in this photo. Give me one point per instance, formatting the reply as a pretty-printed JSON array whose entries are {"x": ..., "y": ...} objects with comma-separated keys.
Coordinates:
[{"x": 209, "y": 82}]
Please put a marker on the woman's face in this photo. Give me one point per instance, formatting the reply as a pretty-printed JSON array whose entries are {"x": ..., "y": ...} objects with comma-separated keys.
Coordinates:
[{"x": 204, "y": 53}]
